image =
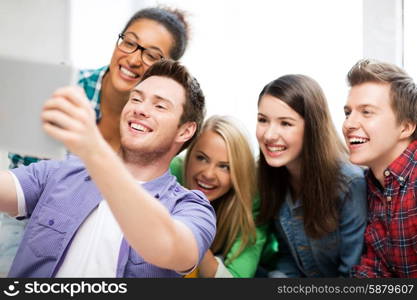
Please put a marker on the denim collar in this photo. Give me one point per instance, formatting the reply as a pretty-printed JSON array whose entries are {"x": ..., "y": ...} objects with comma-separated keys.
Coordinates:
[{"x": 292, "y": 204}]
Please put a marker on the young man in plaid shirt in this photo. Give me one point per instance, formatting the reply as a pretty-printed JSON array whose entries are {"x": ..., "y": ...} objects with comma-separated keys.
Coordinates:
[{"x": 381, "y": 117}]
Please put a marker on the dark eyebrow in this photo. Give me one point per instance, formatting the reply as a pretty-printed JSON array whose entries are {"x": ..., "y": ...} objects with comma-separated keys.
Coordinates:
[
  {"x": 361, "y": 106},
  {"x": 135, "y": 91},
  {"x": 262, "y": 115},
  {"x": 368, "y": 105},
  {"x": 287, "y": 118},
  {"x": 155, "y": 96},
  {"x": 202, "y": 152},
  {"x": 168, "y": 101},
  {"x": 280, "y": 118},
  {"x": 138, "y": 39}
]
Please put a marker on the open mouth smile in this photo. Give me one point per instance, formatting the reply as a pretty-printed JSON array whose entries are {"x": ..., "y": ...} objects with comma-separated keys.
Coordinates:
[
  {"x": 357, "y": 140},
  {"x": 128, "y": 73},
  {"x": 139, "y": 127},
  {"x": 205, "y": 186}
]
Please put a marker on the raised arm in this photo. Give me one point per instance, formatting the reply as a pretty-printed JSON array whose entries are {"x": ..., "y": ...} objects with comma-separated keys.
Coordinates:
[
  {"x": 8, "y": 198},
  {"x": 148, "y": 227},
  {"x": 145, "y": 222}
]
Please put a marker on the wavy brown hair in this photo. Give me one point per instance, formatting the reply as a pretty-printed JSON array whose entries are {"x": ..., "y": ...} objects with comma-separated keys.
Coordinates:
[
  {"x": 321, "y": 155},
  {"x": 234, "y": 209}
]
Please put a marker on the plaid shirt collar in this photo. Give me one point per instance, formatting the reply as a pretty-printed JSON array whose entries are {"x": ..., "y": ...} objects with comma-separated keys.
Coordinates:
[{"x": 399, "y": 170}]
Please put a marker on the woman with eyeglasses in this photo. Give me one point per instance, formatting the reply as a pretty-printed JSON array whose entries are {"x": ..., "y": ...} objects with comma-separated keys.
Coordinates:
[
  {"x": 221, "y": 165},
  {"x": 150, "y": 35}
]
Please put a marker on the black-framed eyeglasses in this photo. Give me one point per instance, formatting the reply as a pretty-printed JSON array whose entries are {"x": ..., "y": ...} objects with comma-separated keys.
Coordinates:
[{"x": 129, "y": 45}]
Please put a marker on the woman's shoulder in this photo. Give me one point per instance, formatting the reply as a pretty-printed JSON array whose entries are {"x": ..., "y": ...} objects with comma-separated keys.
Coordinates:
[
  {"x": 90, "y": 76},
  {"x": 351, "y": 171},
  {"x": 176, "y": 168},
  {"x": 354, "y": 184}
]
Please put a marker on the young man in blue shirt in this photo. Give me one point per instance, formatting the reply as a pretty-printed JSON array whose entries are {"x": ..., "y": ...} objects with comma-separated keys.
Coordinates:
[{"x": 103, "y": 214}]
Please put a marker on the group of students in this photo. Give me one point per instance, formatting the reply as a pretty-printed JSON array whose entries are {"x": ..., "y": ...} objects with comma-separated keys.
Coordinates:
[{"x": 304, "y": 208}]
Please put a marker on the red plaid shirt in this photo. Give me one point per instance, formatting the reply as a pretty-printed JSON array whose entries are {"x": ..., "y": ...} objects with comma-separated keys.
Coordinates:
[{"x": 391, "y": 232}]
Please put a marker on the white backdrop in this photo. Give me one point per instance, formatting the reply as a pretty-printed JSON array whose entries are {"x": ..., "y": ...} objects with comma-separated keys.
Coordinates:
[
  {"x": 33, "y": 29},
  {"x": 237, "y": 46},
  {"x": 410, "y": 37}
]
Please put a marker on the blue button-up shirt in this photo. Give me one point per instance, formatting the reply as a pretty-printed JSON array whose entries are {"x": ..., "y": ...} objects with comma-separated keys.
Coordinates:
[{"x": 60, "y": 195}]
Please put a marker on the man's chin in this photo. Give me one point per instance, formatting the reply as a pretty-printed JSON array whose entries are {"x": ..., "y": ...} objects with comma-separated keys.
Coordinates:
[{"x": 142, "y": 156}]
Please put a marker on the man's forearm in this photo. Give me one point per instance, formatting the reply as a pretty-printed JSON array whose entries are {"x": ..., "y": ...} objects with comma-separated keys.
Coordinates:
[
  {"x": 8, "y": 197},
  {"x": 208, "y": 265},
  {"x": 145, "y": 222}
]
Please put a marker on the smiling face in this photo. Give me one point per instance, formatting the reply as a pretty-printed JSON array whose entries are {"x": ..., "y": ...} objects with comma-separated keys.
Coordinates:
[
  {"x": 126, "y": 69},
  {"x": 280, "y": 132},
  {"x": 371, "y": 130},
  {"x": 208, "y": 166},
  {"x": 150, "y": 119}
]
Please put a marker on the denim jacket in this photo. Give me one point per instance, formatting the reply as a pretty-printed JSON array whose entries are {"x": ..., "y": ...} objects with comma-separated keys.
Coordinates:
[{"x": 332, "y": 255}]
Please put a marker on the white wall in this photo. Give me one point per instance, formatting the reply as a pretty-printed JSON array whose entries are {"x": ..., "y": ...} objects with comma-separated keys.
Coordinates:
[
  {"x": 410, "y": 37},
  {"x": 383, "y": 30},
  {"x": 3, "y": 160},
  {"x": 238, "y": 46},
  {"x": 95, "y": 25},
  {"x": 36, "y": 30}
]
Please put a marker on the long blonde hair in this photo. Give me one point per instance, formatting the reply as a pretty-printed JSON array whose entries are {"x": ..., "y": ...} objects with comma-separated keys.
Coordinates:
[{"x": 234, "y": 209}]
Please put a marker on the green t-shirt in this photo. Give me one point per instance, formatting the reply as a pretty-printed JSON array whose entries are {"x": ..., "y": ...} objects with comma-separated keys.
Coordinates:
[{"x": 246, "y": 263}]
